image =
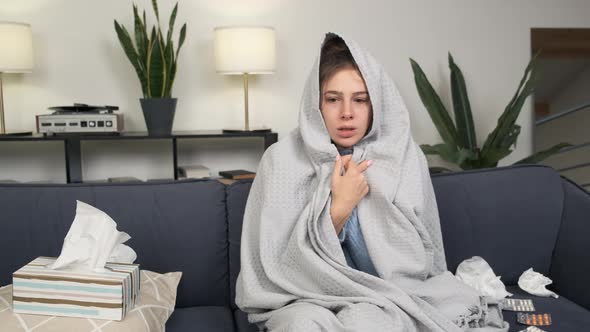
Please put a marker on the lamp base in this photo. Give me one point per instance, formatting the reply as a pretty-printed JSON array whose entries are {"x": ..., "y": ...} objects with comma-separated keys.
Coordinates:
[
  {"x": 242, "y": 130},
  {"x": 19, "y": 133}
]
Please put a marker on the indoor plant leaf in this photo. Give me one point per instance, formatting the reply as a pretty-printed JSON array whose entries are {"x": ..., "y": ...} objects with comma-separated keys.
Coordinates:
[
  {"x": 542, "y": 155},
  {"x": 127, "y": 44},
  {"x": 512, "y": 111},
  {"x": 142, "y": 49},
  {"x": 171, "y": 24},
  {"x": 156, "y": 69},
  {"x": 449, "y": 153},
  {"x": 445, "y": 151},
  {"x": 141, "y": 39},
  {"x": 169, "y": 62},
  {"x": 491, "y": 157},
  {"x": 181, "y": 38},
  {"x": 462, "y": 107},
  {"x": 155, "y": 6},
  {"x": 437, "y": 111}
]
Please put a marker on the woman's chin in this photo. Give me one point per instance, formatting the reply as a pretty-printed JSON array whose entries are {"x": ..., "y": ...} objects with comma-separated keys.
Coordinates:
[{"x": 346, "y": 142}]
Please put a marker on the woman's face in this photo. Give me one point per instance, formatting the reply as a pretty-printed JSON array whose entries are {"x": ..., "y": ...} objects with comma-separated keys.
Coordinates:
[{"x": 346, "y": 107}]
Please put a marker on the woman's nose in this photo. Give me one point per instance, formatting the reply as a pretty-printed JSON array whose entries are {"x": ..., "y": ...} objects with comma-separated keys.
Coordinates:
[{"x": 346, "y": 112}]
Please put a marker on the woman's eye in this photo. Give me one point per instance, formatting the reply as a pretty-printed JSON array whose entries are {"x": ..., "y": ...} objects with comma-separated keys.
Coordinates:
[
  {"x": 331, "y": 100},
  {"x": 361, "y": 100}
]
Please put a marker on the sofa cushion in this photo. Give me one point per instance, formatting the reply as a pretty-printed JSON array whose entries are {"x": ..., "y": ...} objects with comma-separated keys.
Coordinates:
[
  {"x": 242, "y": 324},
  {"x": 565, "y": 314},
  {"x": 177, "y": 226},
  {"x": 510, "y": 216},
  {"x": 210, "y": 319}
]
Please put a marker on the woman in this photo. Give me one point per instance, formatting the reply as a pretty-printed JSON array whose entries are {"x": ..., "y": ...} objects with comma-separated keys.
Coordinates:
[{"x": 352, "y": 242}]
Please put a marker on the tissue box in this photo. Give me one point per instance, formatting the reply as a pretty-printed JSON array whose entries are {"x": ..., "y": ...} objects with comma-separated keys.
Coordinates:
[{"x": 100, "y": 295}]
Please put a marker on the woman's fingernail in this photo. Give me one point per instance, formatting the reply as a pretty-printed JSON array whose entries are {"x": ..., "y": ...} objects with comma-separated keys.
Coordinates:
[{"x": 369, "y": 163}]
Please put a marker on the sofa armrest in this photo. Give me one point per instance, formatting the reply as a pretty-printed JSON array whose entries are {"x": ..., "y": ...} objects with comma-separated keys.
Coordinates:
[{"x": 570, "y": 266}]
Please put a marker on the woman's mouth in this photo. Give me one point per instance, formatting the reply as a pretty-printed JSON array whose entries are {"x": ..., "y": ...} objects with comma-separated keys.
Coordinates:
[{"x": 346, "y": 132}]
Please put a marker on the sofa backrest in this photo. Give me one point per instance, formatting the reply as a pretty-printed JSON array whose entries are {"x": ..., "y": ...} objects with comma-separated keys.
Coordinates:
[
  {"x": 569, "y": 267},
  {"x": 174, "y": 227},
  {"x": 509, "y": 216},
  {"x": 237, "y": 195}
]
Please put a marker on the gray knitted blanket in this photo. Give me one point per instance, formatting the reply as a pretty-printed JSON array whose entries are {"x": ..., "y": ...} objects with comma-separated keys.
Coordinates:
[{"x": 294, "y": 275}]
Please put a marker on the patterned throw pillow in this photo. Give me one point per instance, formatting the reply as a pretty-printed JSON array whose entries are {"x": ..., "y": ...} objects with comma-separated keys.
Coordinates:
[{"x": 155, "y": 304}]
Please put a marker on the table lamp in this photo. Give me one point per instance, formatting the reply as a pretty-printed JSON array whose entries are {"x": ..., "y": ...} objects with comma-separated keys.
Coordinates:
[
  {"x": 16, "y": 56},
  {"x": 244, "y": 50}
]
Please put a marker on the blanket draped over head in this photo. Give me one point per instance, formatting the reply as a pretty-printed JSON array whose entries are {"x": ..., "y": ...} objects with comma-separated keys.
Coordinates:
[{"x": 294, "y": 275}]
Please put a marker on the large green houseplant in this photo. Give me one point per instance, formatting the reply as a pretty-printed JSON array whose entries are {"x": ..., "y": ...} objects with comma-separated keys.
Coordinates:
[
  {"x": 154, "y": 59},
  {"x": 459, "y": 139}
]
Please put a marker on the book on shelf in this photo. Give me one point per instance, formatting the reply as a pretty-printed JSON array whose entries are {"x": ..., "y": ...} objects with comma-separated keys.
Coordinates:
[
  {"x": 226, "y": 181},
  {"x": 237, "y": 174},
  {"x": 193, "y": 171}
]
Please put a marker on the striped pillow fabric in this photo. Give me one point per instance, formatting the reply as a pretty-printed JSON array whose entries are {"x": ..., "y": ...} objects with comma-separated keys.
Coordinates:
[{"x": 155, "y": 304}]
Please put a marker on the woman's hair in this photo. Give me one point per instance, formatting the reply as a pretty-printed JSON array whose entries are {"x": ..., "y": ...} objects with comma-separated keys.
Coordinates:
[{"x": 335, "y": 55}]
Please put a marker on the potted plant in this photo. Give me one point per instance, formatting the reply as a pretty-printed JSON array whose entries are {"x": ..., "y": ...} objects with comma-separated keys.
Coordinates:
[
  {"x": 460, "y": 144},
  {"x": 155, "y": 61}
]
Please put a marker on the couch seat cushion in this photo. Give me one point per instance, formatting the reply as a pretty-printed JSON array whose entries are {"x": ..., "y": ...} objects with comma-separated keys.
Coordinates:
[
  {"x": 206, "y": 318},
  {"x": 565, "y": 314},
  {"x": 242, "y": 323}
]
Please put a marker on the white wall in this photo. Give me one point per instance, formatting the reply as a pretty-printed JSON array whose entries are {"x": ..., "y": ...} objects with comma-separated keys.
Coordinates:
[{"x": 78, "y": 59}]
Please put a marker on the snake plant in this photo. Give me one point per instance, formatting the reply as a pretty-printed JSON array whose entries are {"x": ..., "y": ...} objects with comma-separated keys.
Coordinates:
[
  {"x": 459, "y": 138},
  {"x": 153, "y": 57}
]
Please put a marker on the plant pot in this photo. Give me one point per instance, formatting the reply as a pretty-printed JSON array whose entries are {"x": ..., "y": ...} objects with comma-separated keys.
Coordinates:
[{"x": 158, "y": 114}]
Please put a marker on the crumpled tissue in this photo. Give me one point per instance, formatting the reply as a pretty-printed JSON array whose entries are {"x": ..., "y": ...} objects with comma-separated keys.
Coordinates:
[
  {"x": 93, "y": 240},
  {"x": 477, "y": 273},
  {"x": 534, "y": 283}
]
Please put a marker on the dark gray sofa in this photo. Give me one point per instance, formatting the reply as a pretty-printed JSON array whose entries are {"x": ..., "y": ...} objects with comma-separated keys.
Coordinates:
[{"x": 515, "y": 217}]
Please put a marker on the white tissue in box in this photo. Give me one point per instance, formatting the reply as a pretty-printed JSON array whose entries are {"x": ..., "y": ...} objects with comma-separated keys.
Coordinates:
[{"x": 100, "y": 295}]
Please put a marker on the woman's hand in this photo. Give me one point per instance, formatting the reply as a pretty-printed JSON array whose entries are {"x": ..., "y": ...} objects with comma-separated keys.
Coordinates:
[{"x": 347, "y": 189}]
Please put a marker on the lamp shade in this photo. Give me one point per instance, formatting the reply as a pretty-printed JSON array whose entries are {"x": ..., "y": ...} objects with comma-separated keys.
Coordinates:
[
  {"x": 240, "y": 50},
  {"x": 16, "y": 47}
]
